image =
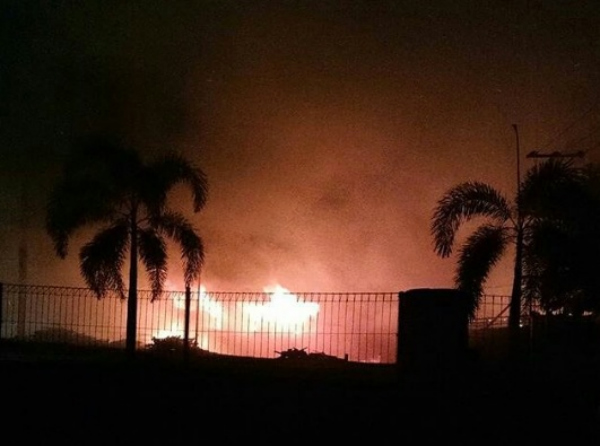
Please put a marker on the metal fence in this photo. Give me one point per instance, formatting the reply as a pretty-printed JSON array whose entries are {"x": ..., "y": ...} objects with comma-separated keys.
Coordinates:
[{"x": 360, "y": 327}]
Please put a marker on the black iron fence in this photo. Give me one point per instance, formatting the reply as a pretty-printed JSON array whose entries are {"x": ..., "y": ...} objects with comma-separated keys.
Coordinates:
[{"x": 360, "y": 327}]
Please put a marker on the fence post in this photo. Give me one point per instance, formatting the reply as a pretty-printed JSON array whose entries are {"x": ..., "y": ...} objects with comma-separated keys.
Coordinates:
[
  {"x": 186, "y": 329},
  {"x": 398, "y": 322},
  {"x": 196, "y": 340},
  {"x": 1, "y": 306},
  {"x": 21, "y": 310}
]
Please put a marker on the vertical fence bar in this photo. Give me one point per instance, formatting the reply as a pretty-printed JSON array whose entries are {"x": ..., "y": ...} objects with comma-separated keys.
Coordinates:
[{"x": 196, "y": 340}]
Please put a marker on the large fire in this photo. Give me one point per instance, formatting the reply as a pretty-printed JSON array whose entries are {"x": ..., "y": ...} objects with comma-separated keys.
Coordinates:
[{"x": 280, "y": 312}]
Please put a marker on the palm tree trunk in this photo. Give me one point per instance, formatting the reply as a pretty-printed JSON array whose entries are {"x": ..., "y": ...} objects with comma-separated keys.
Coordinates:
[
  {"x": 131, "y": 331},
  {"x": 514, "y": 316},
  {"x": 186, "y": 330}
]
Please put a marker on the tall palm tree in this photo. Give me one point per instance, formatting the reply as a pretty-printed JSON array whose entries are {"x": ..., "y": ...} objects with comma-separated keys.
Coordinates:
[
  {"x": 543, "y": 193},
  {"x": 107, "y": 184},
  {"x": 558, "y": 270}
]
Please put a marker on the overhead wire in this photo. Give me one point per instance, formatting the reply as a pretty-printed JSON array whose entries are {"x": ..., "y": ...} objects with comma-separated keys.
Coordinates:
[{"x": 572, "y": 124}]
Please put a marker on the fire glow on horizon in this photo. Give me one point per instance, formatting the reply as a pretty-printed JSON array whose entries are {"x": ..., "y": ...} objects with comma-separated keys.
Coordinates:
[{"x": 352, "y": 326}]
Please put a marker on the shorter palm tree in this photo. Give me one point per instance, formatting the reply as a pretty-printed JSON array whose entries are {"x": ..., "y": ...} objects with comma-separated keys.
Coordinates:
[
  {"x": 106, "y": 184},
  {"x": 486, "y": 245}
]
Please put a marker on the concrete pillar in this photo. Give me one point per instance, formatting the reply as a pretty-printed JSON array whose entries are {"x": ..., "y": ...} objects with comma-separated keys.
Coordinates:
[{"x": 433, "y": 329}]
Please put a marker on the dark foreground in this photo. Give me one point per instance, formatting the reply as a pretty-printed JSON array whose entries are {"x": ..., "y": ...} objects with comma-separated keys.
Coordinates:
[{"x": 149, "y": 402}]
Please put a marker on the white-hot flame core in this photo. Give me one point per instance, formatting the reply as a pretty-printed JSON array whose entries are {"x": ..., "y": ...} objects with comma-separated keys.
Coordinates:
[
  {"x": 163, "y": 334},
  {"x": 212, "y": 307},
  {"x": 282, "y": 312}
]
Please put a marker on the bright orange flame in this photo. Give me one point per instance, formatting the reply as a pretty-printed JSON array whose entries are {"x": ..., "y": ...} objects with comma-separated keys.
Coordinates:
[
  {"x": 212, "y": 307},
  {"x": 284, "y": 311}
]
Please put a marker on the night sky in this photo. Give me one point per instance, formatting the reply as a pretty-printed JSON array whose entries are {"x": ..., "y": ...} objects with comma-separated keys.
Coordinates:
[{"x": 328, "y": 130}]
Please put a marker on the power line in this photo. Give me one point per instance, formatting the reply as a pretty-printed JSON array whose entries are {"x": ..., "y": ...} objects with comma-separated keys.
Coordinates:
[
  {"x": 572, "y": 124},
  {"x": 582, "y": 139}
]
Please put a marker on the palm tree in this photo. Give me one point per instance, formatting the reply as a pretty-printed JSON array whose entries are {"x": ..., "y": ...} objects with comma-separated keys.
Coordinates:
[
  {"x": 540, "y": 199},
  {"x": 557, "y": 266},
  {"x": 106, "y": 184}
]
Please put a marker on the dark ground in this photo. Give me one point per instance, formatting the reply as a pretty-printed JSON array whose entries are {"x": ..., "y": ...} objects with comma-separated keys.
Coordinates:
[{"x": 533, "y": 401}]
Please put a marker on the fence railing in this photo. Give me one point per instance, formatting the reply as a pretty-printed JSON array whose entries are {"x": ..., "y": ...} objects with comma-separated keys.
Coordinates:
[{"x": 360, "y": 327}]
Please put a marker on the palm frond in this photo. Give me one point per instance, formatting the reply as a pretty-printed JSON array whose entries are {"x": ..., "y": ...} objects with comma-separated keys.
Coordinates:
[
  {"x": 532, "y": 272},
  {"x": 74, "y": 204},
  {"x": 478, "y": 255},
  {"x": 463, "y": 203},
  {"x": 552, "y": 188},
  {"x": 542, "y": 237},
  {"x": 98, "y": 176},
  {"x": 102, "y": 259},
  {"x": 153, "y": 252},
  {"x": 178, "y": 228},
  {"x": 558, "y": 268},
  {"x": 165, "y": 173},
  {"x": 104, "y": 159}
]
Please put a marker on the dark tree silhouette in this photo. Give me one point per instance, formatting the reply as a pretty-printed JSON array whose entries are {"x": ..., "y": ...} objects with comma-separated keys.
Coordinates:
[
  {"x": 106, "y": 184},
  {"x": 559, "y": 267},
  {"x": 547, "y": 192}
]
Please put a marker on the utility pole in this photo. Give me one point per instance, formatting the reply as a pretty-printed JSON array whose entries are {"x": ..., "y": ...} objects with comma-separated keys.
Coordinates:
[
  {"x": 514, "y": 317},
  {"x": 23, "y": 256}
]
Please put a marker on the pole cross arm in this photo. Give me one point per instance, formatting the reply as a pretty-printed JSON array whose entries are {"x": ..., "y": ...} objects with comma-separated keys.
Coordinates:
[{"x": 536, "y": 154}]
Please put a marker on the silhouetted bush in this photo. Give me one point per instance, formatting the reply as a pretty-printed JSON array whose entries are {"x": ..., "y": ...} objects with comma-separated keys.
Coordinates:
[
  {"x": 302, "y": 354},
  {"x": 64, "y": 336},
  {"x": 174, "y": 346}
]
